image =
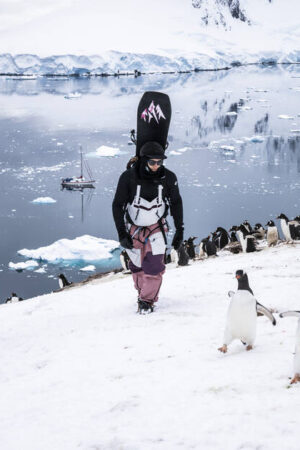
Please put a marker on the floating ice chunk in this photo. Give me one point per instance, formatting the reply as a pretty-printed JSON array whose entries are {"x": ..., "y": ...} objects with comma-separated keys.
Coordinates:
[
  {"x": 104, "y": 150},
  {"x": 230, "y": 148},
  {"x": 29, "y": 265},
  {"x": 90, "y": 268},
  {"x": 83, "y": 248},
  {"x": 284, "y": 116},
  {"x": 59, "y": 144},
  {"x": 44, "y": 200},
  {"x": 183, "y": 149},
  {"x": 73, "y": 95},
  {"x": 246, "y": 108},
  {"x": 40, "y": 270},
  {"x": 173, "y": 152},
  {"x": 231, "y": 113},
  {"x": 295, "y": 131},
  {"x": 257, "y": 139}
]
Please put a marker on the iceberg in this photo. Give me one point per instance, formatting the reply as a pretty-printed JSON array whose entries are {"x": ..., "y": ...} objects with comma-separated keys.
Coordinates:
[
  {"x": 44, "y": 200},
  {"x": 29, "y": 265},
  {"x": 104, "y": 150},
  {"x": 83, "y": 248}
]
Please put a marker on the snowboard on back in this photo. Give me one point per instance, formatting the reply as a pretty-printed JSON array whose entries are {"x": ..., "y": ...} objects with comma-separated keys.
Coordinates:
[{"x": 153, "y": 119}]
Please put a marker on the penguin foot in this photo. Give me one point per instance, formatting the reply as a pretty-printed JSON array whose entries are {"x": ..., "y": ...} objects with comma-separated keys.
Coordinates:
[
  {"x": 249, "y": 347},
  {"x": 223, "y": 349},
  {"x": 296, "y": 379}
]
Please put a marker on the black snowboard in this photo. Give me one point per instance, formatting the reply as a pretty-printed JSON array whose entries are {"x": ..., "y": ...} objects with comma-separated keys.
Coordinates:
[{"x": 153, "y": 119}]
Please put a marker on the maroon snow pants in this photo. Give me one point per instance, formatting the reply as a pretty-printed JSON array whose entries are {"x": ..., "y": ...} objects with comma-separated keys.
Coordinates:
[{"x": 147, "y": 278}]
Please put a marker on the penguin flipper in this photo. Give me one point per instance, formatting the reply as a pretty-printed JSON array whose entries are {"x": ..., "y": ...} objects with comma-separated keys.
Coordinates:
[
  {"x": 290, "y": 314},
  {"x": 266, "y": 312}
]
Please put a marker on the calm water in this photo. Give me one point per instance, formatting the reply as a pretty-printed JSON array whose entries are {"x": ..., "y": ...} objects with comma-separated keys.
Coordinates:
[{"x": 223, "y": 175}]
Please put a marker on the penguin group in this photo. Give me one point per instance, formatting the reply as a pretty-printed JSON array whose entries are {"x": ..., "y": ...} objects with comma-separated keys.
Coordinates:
[
  {"x": 242, "y": 317},
  {"x": 245, "y": 238},
  {"x": 239, "y": 238}
]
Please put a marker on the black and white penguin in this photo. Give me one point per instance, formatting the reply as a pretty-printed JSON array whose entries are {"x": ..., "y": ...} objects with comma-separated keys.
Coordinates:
[
  {"x": 247, "y": 226},
  {"x": 222, "y": 238},
  {"x": 124, "y": 259},
  {"x": 233, "y": 237},
  {"x": 14, "y": 298},
  {"x": 190, "y": 247},
  {"x": 183, "y": 257},
  {"x": 247, "y": 240},
  {"x": 242, "y": 314},
  {"x": 62, "y": 281},
  {"x": 259, "y": 232},
  {"x": 272, "y": 233},
  {"x": 296, "y": 377},
  {"x": 207, "y": 248},
  {"x": 290, "y": 228}
]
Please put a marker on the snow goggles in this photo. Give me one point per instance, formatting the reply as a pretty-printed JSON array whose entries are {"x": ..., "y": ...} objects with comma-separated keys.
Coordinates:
[{"x": 152, "y": 162}]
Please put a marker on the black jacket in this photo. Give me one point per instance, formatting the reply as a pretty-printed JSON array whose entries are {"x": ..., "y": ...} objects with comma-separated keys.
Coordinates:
[{"x": 149, "y": 182}]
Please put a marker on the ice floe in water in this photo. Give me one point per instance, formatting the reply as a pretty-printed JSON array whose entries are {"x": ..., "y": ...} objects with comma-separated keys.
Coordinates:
[
  {"x": 29, "y": 265},
  {"x": 285, "y": 116},
  {"x": 43, "y": 200},
  {"x": 104, "y": 150},
  {"x": 90, "y": 268},
  {"x": 40, "y": 270},
  {"x": 82, "y": 248}
]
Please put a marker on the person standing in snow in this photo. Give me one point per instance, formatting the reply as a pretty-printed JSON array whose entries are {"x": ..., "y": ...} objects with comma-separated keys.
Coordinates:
[{"x": 144, "y": 194}]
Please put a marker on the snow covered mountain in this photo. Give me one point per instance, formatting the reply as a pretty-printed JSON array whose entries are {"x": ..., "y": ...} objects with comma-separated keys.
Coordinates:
[
  {"x": 88, "y": 36},
  {"x": 216, "y": 12}
]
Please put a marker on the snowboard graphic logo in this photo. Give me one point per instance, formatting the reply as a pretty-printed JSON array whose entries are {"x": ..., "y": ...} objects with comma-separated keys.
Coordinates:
[{"x": 153, "y": 112}]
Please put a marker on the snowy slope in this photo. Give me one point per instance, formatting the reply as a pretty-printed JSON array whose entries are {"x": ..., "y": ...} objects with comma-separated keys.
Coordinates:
[
  {"x": 79, "y": 369},
  {"x": 168, "y": 35}
]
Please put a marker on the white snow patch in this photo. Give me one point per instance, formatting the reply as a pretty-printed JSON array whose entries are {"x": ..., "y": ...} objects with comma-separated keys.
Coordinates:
[{"x": 90, "y": 341}]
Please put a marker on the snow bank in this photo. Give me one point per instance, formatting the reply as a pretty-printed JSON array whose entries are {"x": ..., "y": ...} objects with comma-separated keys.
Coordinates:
[
  {"x": 83, "y": 370},
  {"x": 83, "y": 248}
]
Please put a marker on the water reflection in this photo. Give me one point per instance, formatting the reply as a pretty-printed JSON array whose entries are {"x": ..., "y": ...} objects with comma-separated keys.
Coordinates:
[{"x": 233, "y": 155}]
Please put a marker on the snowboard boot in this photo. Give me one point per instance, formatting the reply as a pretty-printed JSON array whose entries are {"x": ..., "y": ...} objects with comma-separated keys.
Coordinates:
[{"x": 144, "y": 307}]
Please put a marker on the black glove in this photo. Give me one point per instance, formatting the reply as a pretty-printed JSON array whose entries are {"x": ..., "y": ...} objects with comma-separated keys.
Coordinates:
[
  {"x": 126, "y": 241},
  {"x": 178, "y": 238}
]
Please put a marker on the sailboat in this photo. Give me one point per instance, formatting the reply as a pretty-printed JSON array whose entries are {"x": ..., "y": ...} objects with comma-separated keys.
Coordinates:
[{"x": 80, "y": 182}]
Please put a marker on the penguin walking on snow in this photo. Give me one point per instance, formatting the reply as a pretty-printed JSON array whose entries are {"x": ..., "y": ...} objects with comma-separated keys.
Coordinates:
[
  {"x": 247, "y": 240},
  {"x": 62, "y": 281},
  {"x": 296, "y": 377},
  {"x": 190, "y": 247},
  {"x": 272, "y": 233},
  {"x": 290, "y": 228},
  {"x": 247, "y": 226},
  {"x": 242, "y": 314},
  {"x": 14, "y": 298},
  {"x": 124, "y": 260},
  {"x": 207, "y": 248},
  {"x": 222, "y": 237},
  {"x": 259, "y": 232}
]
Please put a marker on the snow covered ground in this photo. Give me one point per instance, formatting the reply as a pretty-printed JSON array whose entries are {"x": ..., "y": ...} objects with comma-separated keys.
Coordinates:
[
  {"x": 88, "y": 35},
  {"x": 81, "y": 370}
]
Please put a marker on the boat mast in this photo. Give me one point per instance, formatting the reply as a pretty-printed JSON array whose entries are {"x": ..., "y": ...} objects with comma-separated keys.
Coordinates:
[{"x": 81, "y": 167}]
